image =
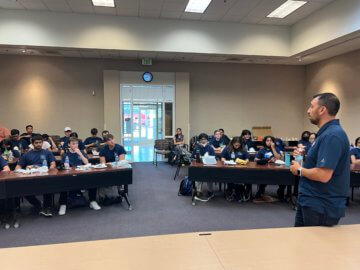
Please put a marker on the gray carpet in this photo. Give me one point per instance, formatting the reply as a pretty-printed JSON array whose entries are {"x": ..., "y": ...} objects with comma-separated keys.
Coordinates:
[{"x": 157, "y": 210}]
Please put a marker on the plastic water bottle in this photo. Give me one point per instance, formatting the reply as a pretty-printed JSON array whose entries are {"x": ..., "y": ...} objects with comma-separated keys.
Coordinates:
[
  {"x": 287, "y": 159},
  {"x": 197, "y": 156},
  {"x": 44, "y": 163},
  {"x": 300, "y": 158},
  {"x": 116, "y": 159},
  {"x": 67, "y": 163},
  {"x": 232, "y": 155},
  {"x": 11, "y": 156}
]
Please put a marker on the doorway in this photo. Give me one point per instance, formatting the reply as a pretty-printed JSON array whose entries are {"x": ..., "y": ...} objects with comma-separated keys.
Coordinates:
[{"x": 145, "y": 119}]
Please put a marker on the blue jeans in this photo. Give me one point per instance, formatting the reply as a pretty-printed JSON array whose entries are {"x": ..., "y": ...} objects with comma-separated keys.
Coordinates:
[{"x": 307, "y": 216}]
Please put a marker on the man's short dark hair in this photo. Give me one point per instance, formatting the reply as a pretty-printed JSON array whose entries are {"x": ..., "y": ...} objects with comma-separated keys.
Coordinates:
[
  {"x": 36, "y": 138},
  {"x": 15, "y": 132},
  {"x": 356, "y": 141},
  {"x": 203, "y": 136},
  {"x": 330, "y": 102},
  {"x": 222, "y": 130},
  {"x": 94, "y": 131},
  {"x": 108, "y": 137},
  {"x": 74, "y": 134},
  {"x": 73, "y": 139},
  {"x": 29, "y": 126}
]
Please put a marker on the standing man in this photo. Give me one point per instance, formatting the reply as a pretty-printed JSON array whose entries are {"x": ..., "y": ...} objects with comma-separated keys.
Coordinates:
[{"x": 325, "y": 176}]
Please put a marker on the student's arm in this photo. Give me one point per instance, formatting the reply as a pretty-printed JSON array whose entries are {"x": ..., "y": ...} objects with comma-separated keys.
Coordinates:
[
  {"x": 102, "y": 160},
  {"x": 354, "y": 160},
  {"x": 276, "y": 154},
  {"x": 122, "y": 157},
  {"x": 6, "y": 168},
  {"x": 53, "y": 145},
  {"x": 81, "y": 155},
  {"x": 52, "y": 165}
]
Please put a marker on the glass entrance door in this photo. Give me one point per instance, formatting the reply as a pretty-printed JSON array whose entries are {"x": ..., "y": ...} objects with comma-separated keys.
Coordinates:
[{"x": 142, "y": 125}]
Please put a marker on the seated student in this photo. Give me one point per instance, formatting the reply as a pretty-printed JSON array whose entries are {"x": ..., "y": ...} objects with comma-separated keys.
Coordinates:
[
  {"x": 216, "y": 142},
  {"x": 76, "y": 157},
  {"x": 6, "y": 210},
  {"x": 38, "y": 157},
  {"x": 202, "y": 148},
  {"x": 11, "y": 154},
  {"x": 17, "y": 142},
  {"x": 312, "y": 138},
  {"x": 355, "y": 152},
  {"x": 94, "y": 140},
  {"x": 304, "y": 142},
  {"x": 280, "y": 145},
  {"x": 224, "y": 137},
  {"x": 235, "y": 150},
  {"x": 249, "y": 144},
  {"x": 48, "y": 144},
  {"x": 65, "y": 140},
  {"x": 111, "y": 150},
  {"x": 268, "y": 154},
  {"x": 66, "y": 146},
  {"x": 29, "y": 134},
  {"x": 178, "y": 137}
]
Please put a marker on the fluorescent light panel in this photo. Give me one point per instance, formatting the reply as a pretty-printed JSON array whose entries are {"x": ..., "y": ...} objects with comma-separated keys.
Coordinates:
[
  {"x": 285, "y": 9},
  {"x": 197, "y": 6},
  {"x": 103, "y": 3}
]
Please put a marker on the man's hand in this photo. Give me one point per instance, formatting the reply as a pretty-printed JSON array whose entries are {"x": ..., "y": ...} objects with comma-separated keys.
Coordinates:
[
  {"x": 77, "y": 151},
  {"x": 294, "y": 167}
]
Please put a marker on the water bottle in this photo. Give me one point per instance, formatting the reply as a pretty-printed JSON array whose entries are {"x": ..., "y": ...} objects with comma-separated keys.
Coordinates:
[
  {"x": 233, "y": 155},
  {"x": 287, "y": 159},
  {"x": 197, "y": 156},
  {"x": 11, "y": 156},
  {"x": 44, "y": 163},
  {"x": 67, "y": 163},
  {"x": 116, "y": 159},
  {"x": 300, "y": 158}
]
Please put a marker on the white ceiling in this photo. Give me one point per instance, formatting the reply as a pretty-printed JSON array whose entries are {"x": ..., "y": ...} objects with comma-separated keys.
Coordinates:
[{"x": 242, "y": 11}]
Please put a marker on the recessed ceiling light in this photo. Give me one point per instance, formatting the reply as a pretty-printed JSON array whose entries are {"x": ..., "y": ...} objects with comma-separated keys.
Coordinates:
[
  {"x": 285, "y": 9},
  {"x": 197, "y": 6},
  {"x": 103, "y": 3}
]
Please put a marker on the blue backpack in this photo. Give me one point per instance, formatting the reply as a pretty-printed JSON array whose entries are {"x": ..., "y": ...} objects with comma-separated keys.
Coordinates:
[{"x": 185, "y": 188}]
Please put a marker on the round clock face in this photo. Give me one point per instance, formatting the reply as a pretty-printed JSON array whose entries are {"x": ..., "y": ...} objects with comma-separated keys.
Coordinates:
[{"x": 147, "y": 77}]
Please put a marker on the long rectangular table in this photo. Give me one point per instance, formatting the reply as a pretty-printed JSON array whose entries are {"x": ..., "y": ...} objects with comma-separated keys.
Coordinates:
[{"x": 14, "y": 185}]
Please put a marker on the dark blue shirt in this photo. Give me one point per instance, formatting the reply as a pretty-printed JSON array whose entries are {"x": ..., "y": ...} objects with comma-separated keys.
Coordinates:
[
  {"x": 217, "y": 144},
  {"x": 228, "y": 154},
  {"x": 91, "y": 140},
  {"x": 355, "y": 152},
  {"x": 65, "y": 140},
  {"x": 330, "y": 150},
  {"x": 81, "y": 145},
  {"x": 203, "y": 150},
  {"x": 249, "y": 144},
  {"x": 3, "y": 163},
  {"x": 36, "y": 158},
  {"x": 279, "y": 144},
  {"x": 110, "y": 154},
  {"x": 307, "y": 145},
  {"x": 74, "y": 158},
  {"x": 20, "y": 144},
  {"x": 266, "y": 153}
]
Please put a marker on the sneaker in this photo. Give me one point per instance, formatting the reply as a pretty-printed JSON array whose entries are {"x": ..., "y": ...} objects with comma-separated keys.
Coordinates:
[
  {"x": 46, "y": 212},
  {"x": 200, "y": 197},
  {"x": 62, "y": 210},
  {"x": 94, "y": 205},
  {"x": 16, "y": 224},
  {"x": 7, "y": 226}
]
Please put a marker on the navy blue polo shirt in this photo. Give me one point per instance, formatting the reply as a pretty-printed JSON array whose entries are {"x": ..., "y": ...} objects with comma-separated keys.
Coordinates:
[
  {"x": 217, "y": 144},
  {"x": 74, "y": 158},
  {"x": 329, "y": 150},
  {"x": 249, "y": 144},
  {"x": 22, "y": 142},
  {"x": 228, "y": 154},
  {"x": 110, "y": 154},
  {"x": 36, "y": 158},
  {"x": 203, "y": 150},
  {"x": 91, "y": 140},
  {"x": 266, "y": 153},
  {"x": 355, "y": 152},
  {"x": 3, "y": 163}
]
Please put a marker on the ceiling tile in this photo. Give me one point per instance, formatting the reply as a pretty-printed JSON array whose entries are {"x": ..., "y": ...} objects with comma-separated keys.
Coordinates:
[
  {"x": 81, "y": 6},
  {"x": 127, "y": 4},
  {"x": 171, "y": 14},
  {"x": 33, "y": 4},
  {"x": 174, "y": 6},
  {"x": 151, "y": 4},
  {"x": 127, "y": 12},
  {"x": 105, "y": 10},
  {"x": 10, "y": 4},
  {"x": 251, "y": 20},
  {"x": 57, "y": 5},
  {"x": 150, "y": 13},
  {"x": 191, "y": 16}
]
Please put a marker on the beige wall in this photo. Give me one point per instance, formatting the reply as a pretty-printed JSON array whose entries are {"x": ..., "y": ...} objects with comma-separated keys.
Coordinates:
[
  {"x": 339, "y": 75},
  {"x": 56, "y": 92}
]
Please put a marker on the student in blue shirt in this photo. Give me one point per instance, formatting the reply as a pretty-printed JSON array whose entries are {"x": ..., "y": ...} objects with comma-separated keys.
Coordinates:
[
  {"x": 216, "y": 142},
  {"x": 76, "y": 157},
  {"x": 20, "y": 144},
  {"x": 111, "y": 150},
  {"x": 224, "y": 137},
  {"x": 94, "y": 140},
  {"x": 29, "y": 134},
  {"x": 65, "y": 140},
  {"x": 312, "y": 138},
  {"x": 246, "y": 136},
  {"x": 66, "y": 146},
  {"x": 268, "y": 154},
  {"x": 325, "y": 174},
  {"x": 202, "y": 148},
  {"x": 355, "y": 152},
  {"x": 235, "y": 150},
  {"x": 38, "y": 157},
  {"x": 304, "y": 142},
  {"x": 4, "y": 165},
  {"x": 5, "y": 205}
]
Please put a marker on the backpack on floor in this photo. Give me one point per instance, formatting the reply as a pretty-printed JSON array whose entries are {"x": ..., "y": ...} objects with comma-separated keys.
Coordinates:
[
  {"x": 185, "y": 188},
  {"x": 76, "y": 199}
]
